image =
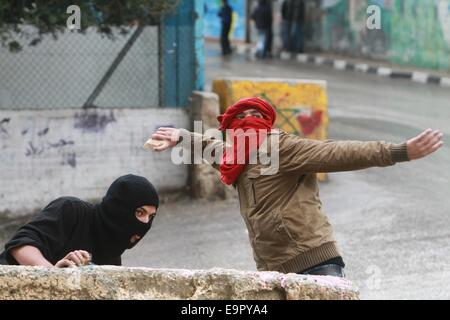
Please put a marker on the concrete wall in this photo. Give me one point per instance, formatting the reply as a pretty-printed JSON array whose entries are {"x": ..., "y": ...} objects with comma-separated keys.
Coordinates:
[
  {"x": 51, "y": 153},
  {"x": 143, "y": 283},
  {"x": 415, "y": 33}
]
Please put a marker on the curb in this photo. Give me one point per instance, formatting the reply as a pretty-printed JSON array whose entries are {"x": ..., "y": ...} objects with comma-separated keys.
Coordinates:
[{"x": 340, "y": 64}]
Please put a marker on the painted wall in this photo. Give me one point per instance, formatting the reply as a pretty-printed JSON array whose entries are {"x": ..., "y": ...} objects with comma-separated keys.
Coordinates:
[
  {"x": 212, "y": 21},
  {"x": 414, "y": 32},
  {"x": 46, "y": 154}
]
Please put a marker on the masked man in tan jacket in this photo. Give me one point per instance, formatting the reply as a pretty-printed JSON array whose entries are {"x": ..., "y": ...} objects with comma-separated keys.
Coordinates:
[{"x": 280, "y": 204}]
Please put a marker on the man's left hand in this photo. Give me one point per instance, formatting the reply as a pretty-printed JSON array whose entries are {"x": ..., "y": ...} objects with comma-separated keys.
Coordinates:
[{"x": 424, "y": 144}]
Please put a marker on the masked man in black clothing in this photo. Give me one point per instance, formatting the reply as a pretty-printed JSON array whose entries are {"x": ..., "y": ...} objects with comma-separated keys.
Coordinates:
[{"x": 70, "y": 232}]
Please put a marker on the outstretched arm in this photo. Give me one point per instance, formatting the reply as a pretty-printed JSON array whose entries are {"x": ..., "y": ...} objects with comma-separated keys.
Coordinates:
[{"x": 308, "y": 156}]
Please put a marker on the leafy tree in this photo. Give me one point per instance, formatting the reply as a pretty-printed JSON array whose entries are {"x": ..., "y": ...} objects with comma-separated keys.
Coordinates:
[{"x": 50, "y": 17}]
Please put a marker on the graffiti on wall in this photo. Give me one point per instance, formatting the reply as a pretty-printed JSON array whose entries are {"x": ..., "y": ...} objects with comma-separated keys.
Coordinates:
[
  {"x": 418, "y": 33},
  {"x": 444, "y": 18},
  {"x": 212, "y": 21},
  {"x": 413, "y": 32}
]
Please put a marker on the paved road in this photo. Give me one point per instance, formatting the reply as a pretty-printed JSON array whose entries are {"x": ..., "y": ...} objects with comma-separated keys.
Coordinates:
[{"x": 391, "y": 224}]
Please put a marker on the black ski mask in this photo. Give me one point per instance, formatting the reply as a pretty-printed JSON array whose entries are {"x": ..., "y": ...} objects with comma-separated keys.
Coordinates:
[{"x": 115, "y": 219}]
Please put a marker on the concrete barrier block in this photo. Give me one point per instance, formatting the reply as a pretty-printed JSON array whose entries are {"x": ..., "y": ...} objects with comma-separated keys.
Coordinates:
[{"x": 120, "y": 283}]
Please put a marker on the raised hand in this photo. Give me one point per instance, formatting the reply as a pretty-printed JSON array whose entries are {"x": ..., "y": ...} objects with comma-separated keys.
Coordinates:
[{"x": 424, "y": 144}]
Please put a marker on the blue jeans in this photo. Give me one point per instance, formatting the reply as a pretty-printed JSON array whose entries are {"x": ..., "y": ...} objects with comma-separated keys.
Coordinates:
[
  {"x": 333, "y": 270},
  {"x": 298, "y": 38},
  {"x": 264, "y": 45},
  {"x": 286, "y": 35}
]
